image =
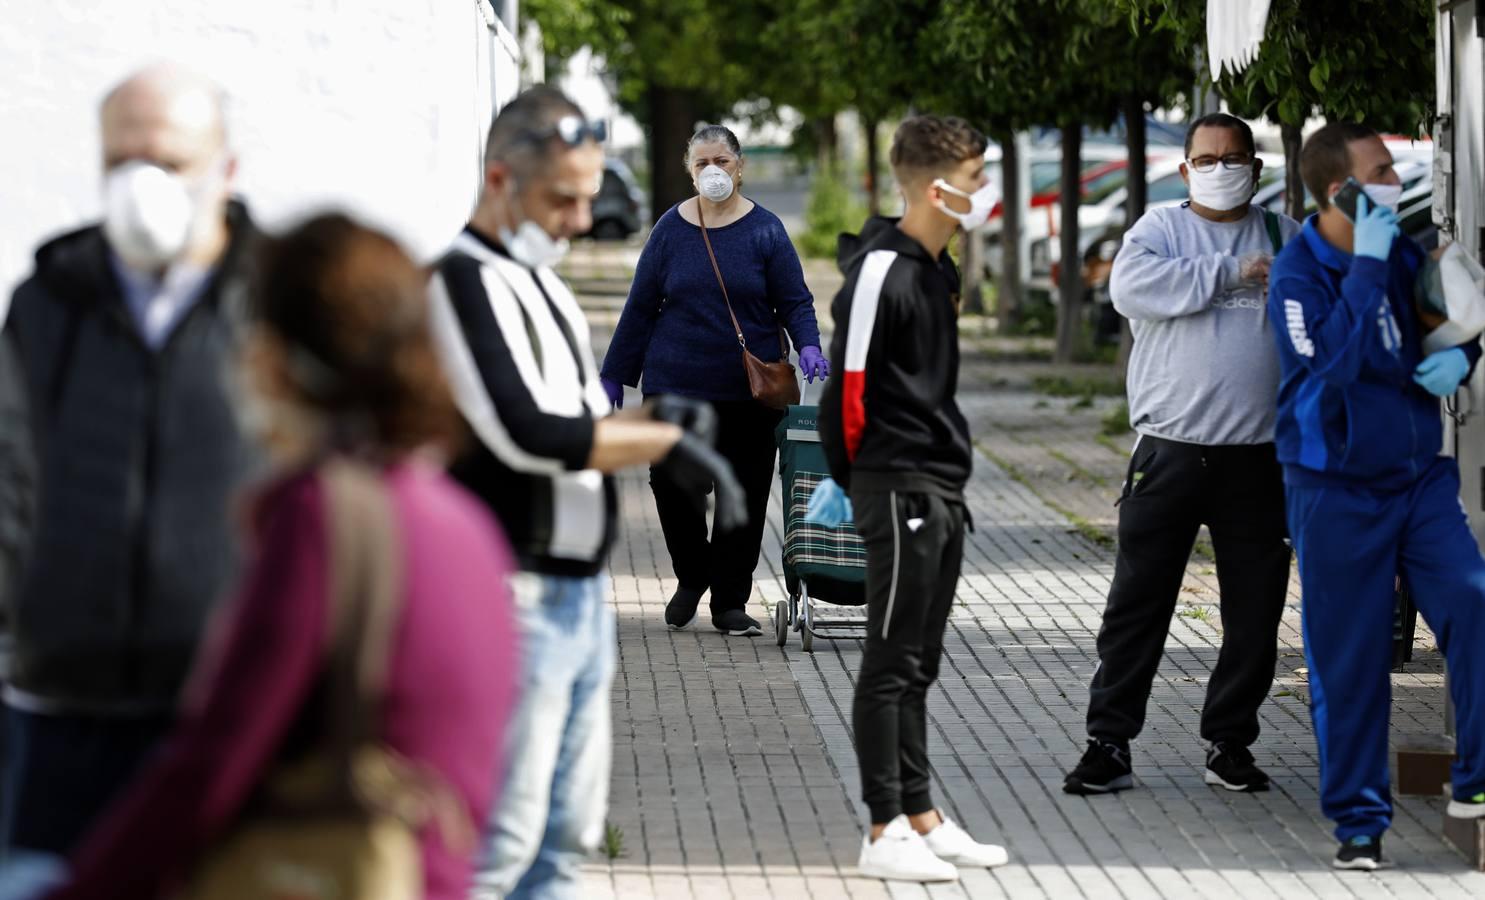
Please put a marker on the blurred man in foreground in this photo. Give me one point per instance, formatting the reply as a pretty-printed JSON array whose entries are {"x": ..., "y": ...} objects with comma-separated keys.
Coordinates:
[{"x": 120, "y": 449}]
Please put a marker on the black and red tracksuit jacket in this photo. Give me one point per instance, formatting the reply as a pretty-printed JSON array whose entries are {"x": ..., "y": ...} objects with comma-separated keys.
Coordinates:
[{"x": 888, "y": 419}]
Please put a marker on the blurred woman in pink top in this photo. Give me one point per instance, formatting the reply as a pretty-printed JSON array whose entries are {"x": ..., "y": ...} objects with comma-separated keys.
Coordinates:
[{"x": 342, "y": 364}]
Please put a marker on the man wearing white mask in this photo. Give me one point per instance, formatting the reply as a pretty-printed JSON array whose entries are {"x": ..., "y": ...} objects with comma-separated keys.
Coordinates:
[
  {"x": 894, "y": 437},
  {"x": 121, "y": 450},
  {"x": 1202, "y": 384},
  {"x": 515, "y": 347}
]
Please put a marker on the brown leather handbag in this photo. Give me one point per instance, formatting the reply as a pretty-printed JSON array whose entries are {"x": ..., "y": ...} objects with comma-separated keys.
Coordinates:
[{"x": 772, "y": 383}]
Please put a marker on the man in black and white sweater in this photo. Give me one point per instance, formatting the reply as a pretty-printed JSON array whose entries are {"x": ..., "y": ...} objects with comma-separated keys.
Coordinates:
[{"x": 515, "y": 348}]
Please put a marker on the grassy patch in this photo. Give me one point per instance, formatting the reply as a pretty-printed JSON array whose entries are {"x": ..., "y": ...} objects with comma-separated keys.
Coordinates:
[
  {"x": 1093, "y": 534},
  {"x": 1203, "y": 549},
  {"x": 1199, "y": 613},
  {"x": 1078, "y": 385},
  {"x": 1081, "y": 472},
  {"x": 613, "y": 840},
  {"x": 1107, "y": 442},
  {"x": 1116, "y": 422}
]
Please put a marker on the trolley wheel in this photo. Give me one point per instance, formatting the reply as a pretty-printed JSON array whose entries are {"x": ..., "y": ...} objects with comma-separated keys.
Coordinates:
[
  {"x": 806, "y": 626},
  {"x": 781, "y": 622}
]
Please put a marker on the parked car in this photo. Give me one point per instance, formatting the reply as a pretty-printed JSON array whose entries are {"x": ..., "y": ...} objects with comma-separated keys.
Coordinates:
[{"x": 619, "y": 210}]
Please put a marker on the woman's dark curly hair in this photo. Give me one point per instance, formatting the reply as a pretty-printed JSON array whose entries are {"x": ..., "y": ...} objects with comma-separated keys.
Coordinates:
[{"x": 351, "y": 311}]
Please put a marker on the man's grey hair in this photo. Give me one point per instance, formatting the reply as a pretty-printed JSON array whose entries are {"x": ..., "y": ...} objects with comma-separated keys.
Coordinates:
[{"x": 522, "y": 134}]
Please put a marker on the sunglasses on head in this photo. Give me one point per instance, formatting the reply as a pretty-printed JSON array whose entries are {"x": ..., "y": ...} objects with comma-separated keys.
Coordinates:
[{"x": 572, "y": 131}]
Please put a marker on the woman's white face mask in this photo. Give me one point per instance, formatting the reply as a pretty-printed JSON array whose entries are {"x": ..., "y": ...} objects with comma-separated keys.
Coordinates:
[{"x": 715, "y": 183}]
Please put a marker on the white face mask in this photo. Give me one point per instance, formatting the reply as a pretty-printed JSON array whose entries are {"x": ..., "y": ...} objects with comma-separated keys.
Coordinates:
[
  {"x": 1387, "y": 195},
  {"x": 151, "y": 216},
  {"x": 1221, "y": 189},
  {"x": 981, "y": 203},
  {"x": 530, "y": 245},
  {"x": 715, "y": 184}
]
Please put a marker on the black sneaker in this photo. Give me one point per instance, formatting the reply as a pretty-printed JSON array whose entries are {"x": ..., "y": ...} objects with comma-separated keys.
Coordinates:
[
  {"x": 1103, "y": 769},
  {"x": 1360, "y": 852},
  {"x": 680, "y": 612},
  {"x": 737, "y": 623},
  {"x": 1232, "y": 768}
]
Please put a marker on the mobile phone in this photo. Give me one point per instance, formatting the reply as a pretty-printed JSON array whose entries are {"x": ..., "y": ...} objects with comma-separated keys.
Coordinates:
[{"x": 1345, "y": 199}]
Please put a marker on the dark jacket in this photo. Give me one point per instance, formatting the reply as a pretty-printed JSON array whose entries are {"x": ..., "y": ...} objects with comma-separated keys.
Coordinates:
[
  {"x": 675, "y": 330},
  {"x": 516, "y": 349},
  {"x": 120, "y": 464},
  {"x": 888, "y": 418},
  {"x": 1349, "y": 339}
]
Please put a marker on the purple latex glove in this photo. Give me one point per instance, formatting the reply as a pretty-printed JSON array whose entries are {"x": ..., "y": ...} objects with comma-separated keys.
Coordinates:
[
  {"x": 813, "y": 364},
  {"x": 614, "y": 390}
]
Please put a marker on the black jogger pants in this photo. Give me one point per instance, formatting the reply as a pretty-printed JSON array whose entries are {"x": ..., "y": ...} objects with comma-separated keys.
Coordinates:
[
  {"x": 914, "y": 545},
  {"x": 1171, "y": 490}
]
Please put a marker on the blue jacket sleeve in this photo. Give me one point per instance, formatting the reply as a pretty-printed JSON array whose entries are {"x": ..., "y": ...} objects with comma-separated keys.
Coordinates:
[
  {"x": 625, "y": 360},
  {"x": 1329, "y": 339},
  {"x": 790, "y": 296}
]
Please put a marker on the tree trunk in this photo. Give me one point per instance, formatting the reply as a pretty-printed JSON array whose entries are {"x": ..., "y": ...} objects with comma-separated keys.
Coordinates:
[
  {"x": 1294, "y": 186},
  {"x": 672, "y": 115},
  {"x": 1134, "y": 124},
  {"x": 827, "y": 146},
  {"x": 1008, "y": 293},
  {"x": 873, "y": 166},
  {"x": 1070, "y": 282}
]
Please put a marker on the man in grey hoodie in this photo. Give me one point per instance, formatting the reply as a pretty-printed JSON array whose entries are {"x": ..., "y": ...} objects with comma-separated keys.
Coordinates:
[{"x": 1203, "y": 383}]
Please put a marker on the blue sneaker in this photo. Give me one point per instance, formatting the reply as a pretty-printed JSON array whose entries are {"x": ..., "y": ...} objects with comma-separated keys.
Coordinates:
[{"x": 1360, "y": 852}]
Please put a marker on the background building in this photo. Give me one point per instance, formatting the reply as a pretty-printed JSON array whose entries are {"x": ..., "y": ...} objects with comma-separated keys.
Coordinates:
[{"x": 378, "y": 106}]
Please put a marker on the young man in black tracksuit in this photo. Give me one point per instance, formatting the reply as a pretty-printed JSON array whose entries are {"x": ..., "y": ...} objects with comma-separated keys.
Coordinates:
[{"x": 895, "y": 439}]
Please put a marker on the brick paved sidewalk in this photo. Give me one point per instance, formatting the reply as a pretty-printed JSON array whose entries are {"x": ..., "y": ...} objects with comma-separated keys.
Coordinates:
[{"x": 734, "y": 771}]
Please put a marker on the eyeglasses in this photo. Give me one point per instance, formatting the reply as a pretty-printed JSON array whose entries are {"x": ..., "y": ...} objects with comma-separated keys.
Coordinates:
[
  {"x": 1206, "y": 164},
  {"x": 572, "y": 130}
]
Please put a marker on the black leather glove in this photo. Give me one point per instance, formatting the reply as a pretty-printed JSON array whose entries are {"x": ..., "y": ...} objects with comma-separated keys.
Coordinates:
[
  {"x": 695, "y": 467},
  {"x": 696, "y": 416}
]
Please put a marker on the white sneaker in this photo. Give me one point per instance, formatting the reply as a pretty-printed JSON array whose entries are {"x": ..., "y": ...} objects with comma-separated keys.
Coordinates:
[
  {"x": 901, "y": 854},
  {"x": 953, "y": 844}
]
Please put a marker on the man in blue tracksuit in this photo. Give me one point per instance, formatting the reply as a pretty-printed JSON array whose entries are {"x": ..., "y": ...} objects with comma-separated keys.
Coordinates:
[{"x": 1369, "y": 496}]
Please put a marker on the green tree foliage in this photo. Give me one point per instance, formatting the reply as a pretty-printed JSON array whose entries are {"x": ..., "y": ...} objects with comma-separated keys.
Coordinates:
[
  {"x": 1359, "y": 60},
  {"x": 1011, "y": 65}
]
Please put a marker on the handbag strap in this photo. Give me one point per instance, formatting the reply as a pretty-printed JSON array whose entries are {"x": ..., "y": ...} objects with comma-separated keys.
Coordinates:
[
  {"x": 366, "y": 582},
  {"x": 717, "y": 270}
]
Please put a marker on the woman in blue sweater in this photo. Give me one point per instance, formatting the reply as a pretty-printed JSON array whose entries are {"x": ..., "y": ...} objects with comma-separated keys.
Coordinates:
[{"x": 677, "y": 334}]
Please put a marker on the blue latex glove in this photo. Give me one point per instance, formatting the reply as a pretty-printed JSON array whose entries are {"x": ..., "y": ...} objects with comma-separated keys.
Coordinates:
[
  {"x": 813, "y": 364},
  {"x": 829, "y": 505},
  {"x": 614, "y": 390},
  {"x": 1376, "y": 228},
  {"x": 1440, "y": 373}
]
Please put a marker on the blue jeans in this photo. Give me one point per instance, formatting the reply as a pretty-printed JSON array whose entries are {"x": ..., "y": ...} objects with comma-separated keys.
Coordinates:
[{"x": 550, "y": 813}]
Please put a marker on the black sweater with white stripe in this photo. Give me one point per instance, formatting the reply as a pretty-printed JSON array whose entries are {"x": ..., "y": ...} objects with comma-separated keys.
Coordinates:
[
  {"x": 515, "y": 347},
  {"x": 888, "y": 418}
]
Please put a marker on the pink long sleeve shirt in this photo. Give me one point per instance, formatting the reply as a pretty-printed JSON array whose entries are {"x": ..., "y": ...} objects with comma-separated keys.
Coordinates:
[{"x": 451, "y": 684}]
